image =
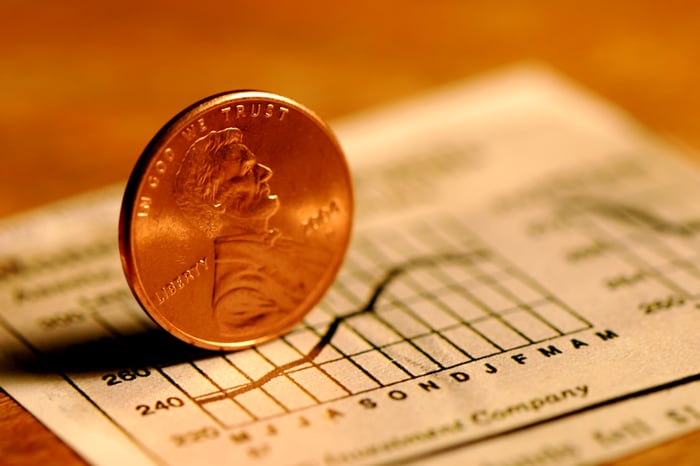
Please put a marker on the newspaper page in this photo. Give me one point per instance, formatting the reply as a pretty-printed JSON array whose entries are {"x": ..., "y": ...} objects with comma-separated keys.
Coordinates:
[{"x": 522, "y": 288}]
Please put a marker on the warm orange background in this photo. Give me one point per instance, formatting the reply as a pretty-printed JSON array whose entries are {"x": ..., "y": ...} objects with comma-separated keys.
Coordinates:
[{"x": 84, "y": 85}]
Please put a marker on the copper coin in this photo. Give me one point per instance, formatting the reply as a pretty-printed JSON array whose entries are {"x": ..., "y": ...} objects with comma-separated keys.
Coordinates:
[{"x": 236, "y": 219}]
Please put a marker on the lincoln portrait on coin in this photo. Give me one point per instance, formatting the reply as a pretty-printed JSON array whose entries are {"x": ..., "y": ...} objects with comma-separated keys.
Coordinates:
[
  {"x": 222, "y": 185},
  {"x": 259, "y": 275}
]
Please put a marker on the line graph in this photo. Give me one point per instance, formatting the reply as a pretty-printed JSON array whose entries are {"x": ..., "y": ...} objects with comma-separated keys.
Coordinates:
[
  {"x": 435, "y": 311},
  {"x": 418, "y": 299}
]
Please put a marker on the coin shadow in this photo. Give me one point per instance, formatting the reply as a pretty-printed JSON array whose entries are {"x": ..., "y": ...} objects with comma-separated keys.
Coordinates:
[{"x": 151, "y": 348}]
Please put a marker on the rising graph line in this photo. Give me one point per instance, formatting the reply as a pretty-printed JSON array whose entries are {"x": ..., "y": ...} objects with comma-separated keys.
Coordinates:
[
  {"x": 370, "y": 306},
  {"x": 617, "y": 211}
]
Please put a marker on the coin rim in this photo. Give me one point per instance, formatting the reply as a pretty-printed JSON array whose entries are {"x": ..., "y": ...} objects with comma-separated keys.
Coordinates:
[{"x": 134, "y": 183}]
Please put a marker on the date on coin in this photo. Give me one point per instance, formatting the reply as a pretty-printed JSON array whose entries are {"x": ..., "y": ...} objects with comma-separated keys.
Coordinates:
[{"x": 236, "y": 219}]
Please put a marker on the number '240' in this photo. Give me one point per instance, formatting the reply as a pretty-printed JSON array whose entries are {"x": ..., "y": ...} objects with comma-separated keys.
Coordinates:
[{"x": 160, "y": 405}]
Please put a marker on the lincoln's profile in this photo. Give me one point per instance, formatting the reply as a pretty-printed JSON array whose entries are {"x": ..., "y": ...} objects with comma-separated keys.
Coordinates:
[
  {"x": 221, "y": 184},
  {"x": 259, "y": 276}
]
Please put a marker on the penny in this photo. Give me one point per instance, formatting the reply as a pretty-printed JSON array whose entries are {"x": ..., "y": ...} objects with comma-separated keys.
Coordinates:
[{"x": 236, "y": 219}]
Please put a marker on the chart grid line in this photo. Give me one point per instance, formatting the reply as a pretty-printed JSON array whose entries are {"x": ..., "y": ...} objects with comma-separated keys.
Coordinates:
[{"x": 412, "y": 319}]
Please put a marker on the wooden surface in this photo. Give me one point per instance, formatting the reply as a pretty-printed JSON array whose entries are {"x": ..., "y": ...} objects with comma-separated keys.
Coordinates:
[{"x": 84, "y": 85}]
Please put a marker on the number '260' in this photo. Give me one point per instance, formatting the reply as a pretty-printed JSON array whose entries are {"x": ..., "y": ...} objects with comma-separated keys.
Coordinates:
[{"x": 126, "y": 375}]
